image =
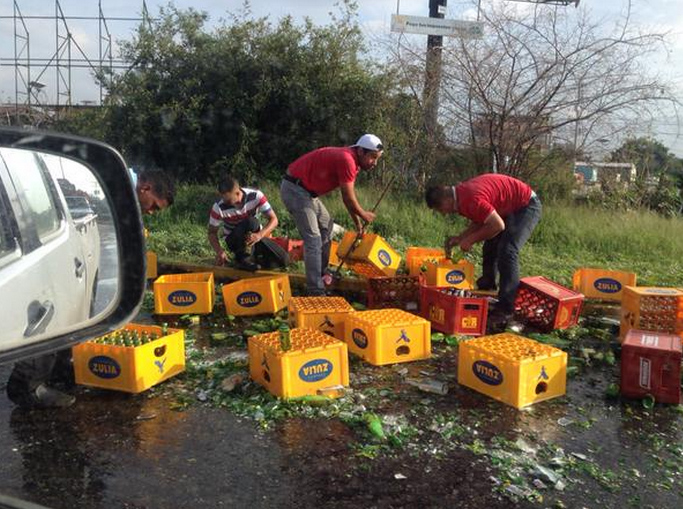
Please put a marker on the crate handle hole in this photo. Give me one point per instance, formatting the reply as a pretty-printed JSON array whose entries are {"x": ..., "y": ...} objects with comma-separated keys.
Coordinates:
[
  {"x": 160, "y": 351},
  {"x": 402, "y": 350},
  {"x": 266, "y": 376},
  {"x": 541, "y": 387}
]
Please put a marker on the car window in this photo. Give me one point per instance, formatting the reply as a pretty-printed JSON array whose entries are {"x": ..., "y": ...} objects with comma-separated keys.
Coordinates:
[
  {"x": 8, "y": 245},
  {"x": 30, "y": 179}
]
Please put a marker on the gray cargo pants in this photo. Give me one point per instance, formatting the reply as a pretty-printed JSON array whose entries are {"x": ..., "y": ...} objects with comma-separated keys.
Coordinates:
[{"x": 315, "y": 227}]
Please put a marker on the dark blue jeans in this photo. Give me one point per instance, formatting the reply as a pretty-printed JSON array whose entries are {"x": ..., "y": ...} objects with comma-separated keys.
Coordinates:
[{"x": 501, "y": 254}]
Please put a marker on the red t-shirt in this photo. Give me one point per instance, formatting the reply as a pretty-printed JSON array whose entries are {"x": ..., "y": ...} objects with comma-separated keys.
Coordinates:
[
  {"x": 481, "y": 195},
  {"x": 323, "y": 169}
]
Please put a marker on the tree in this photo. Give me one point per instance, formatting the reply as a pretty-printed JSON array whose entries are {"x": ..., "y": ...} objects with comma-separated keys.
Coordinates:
[
  {"x": 650, "y": 156},
  {"x": 250, "y": 96},
  {"x": 540, "y": 76}
]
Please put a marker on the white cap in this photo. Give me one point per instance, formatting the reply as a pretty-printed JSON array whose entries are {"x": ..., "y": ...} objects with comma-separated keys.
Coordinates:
[{"x": 369, "y": 142}]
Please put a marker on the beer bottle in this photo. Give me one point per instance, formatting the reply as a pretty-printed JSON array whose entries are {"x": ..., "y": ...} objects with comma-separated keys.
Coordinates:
[{"x": 285, "y": 340}]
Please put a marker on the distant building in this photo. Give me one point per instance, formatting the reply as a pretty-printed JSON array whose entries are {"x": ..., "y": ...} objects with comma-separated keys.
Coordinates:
[{"x": 592, "y": 173}]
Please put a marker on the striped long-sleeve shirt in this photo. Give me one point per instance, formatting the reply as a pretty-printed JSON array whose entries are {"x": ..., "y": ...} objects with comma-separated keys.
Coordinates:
[{"x": 223, "y": 214}]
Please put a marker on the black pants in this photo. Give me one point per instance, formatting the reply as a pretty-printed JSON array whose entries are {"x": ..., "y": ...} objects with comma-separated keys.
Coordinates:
[
  {"x": 266, "y": 253},
  {"x": 237, "y": 239},
  {"x": 56, "y": 367}
]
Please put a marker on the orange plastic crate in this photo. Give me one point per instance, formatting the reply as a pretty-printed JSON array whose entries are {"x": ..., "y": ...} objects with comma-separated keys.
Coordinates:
[
  {"x": 415, "y": 256},
  {"x": 602, "y": 284},
  {"x": 651, "y": 308},
  {"x": 326, "y": 314}
]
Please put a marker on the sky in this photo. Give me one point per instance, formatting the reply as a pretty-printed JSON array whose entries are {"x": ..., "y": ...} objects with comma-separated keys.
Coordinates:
[{"x": 374, "y": 16}]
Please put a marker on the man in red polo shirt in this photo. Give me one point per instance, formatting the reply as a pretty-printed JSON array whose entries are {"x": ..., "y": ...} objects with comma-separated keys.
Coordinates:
[
  {"x": 315, "y": 174},
  {"x": 503, "y": 212}
]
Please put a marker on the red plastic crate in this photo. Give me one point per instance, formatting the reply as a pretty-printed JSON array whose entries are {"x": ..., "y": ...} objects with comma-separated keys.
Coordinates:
[
  {"x": 452, "y": 314},
  {"x": 651, "y": 364},
  {"x": 398, "y": 292},
  {"x": 547, "y": 305},
  {"x": 294, "y": 248}
]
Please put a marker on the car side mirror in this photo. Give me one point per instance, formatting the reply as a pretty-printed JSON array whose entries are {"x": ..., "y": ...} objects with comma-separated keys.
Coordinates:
[{"x": 72, "y": 262}]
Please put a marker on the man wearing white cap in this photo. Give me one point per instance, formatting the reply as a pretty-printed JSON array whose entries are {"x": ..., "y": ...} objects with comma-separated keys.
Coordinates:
[{"x": 315, "y": 174}]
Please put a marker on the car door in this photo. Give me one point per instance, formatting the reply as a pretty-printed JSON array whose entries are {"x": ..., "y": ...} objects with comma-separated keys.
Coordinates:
[{"x": 42, "y": 265}]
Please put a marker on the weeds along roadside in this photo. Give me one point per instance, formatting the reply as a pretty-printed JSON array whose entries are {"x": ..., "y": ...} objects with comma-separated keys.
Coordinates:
[{"x": 568, "y": 236}]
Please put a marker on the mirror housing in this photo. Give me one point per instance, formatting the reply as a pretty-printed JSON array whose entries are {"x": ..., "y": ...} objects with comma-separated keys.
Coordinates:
[{"x": 108, "y": 166}]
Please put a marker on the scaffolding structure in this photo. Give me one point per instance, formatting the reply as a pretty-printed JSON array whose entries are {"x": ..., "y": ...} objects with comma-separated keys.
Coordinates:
[{"x": 67, "y": 56}]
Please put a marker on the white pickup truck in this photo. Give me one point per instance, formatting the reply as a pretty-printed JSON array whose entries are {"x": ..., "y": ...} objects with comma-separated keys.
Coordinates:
[{"x": 49, "y": 257}]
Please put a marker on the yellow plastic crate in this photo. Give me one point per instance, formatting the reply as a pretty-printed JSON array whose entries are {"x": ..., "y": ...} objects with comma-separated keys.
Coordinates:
[
  {"x": 416, "y": 256},
  {"x": 388, "y": 336},
  {"x": 447, "y": 273},
  {"x": 372, "y": 249},
  {"x": 334, "y": 259},
  {"x": 176, "y": 294},
  {"x": 602, "y": 284},
  {"x": 314, "y": 363},
  {"x": 257, "y": 295},
  {"x": 512, "y": 369},
  {"x": 651, "y": 308},
  {"x": 127, "y": 368},
  {"x": 326, "y": 314},
  {"x": 151, "y": 265}
]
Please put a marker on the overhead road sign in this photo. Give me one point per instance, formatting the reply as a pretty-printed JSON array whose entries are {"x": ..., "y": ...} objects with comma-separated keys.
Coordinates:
[{"x": 436, "y": 26}]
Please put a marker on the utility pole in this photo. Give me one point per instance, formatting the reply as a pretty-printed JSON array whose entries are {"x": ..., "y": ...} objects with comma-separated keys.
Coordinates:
[{"x": 437, "y": 9}]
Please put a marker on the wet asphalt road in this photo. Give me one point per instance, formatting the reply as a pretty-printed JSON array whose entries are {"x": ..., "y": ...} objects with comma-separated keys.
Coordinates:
[{"x": 114, "y": 450}]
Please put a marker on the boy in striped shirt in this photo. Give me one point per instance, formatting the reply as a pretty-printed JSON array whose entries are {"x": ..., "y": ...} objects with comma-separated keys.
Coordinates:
[{"x": 236, "y": 213}]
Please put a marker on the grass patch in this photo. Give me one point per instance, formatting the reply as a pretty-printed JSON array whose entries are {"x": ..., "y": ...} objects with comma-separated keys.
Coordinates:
[{"x": 568, "y": 236}]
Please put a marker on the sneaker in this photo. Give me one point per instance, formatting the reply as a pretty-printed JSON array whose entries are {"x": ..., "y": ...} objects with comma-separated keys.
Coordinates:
[
  {"x": 248, "y": 265},
  {"x": 486, "y": 285},
  {"x": 498, "y": 321},
  {"x": 47, "y": 397}
]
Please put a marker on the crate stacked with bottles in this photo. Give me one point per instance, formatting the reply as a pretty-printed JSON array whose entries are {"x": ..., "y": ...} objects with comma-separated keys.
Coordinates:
[
  {"x": 131, "y": 359},
  {"x": 453, "y": 310},
  {"x": 546, "y": 305},
  {"x": 401, "y": 292},
  {"x": 298, "y": 362}
]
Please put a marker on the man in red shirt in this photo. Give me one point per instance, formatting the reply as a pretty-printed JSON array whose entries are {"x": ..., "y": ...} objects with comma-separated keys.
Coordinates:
[
  {"x": 503, "y": 212},
  {"x": 315, "y": 174}
]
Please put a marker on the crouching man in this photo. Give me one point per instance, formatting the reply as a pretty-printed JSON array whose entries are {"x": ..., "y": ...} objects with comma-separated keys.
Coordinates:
[{"x": 236, "y": 212}]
